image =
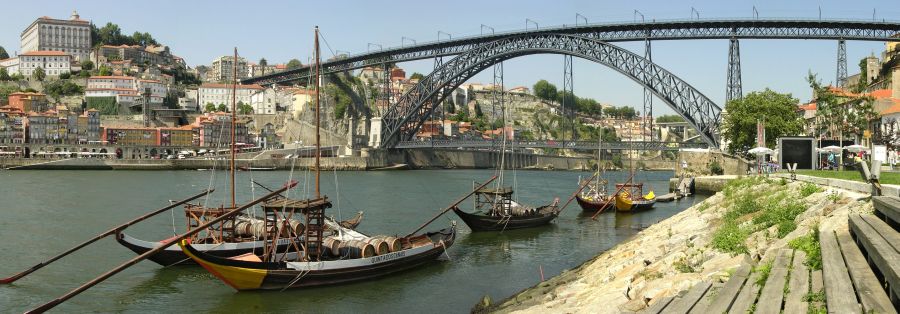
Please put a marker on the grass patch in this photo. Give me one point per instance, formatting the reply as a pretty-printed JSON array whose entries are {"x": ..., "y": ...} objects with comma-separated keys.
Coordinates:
[
  {"x": 703, "y": 206},
  {"x": 853, "y": 175},
  {"x": 683, "y": 266},
  {"x": 763, "y": 270},
  {"x": 833, "y": 197},
  {"x": 809, "y": 189},
  {"x": 730, "y": 238},
  {"x": 781, "y": 215},
  {"x": 649, "y": 274},
  {"x": 809, "y": 244}
]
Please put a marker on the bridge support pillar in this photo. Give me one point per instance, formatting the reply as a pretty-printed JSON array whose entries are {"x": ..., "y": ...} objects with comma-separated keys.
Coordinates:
[
  {"x": 375, "y": 133},
  {"x": 568, "y": 99},
  {"x": 734, "y": 72},
  {"x": 841, "y": 64},
  {"x": 648, "y": 97},
  {"x": 386, "y": 84}
]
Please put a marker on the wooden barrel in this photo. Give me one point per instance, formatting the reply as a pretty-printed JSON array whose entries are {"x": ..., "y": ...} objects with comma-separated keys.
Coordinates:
[
  {"x": 332, "y": 245},
  {"x": 258, "y": 229},
  {"x": 356, "y": 249},
  {"x": 393, "y": 243},
  {"x": 381, "y": 247},
  {"x": 298, "y": 227},
  {"x": 242, "y": 228}
]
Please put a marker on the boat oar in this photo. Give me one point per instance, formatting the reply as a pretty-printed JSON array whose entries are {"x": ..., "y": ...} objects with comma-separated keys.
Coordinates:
[
  {"x": 451, "y": 206},
  {"x": 581, "y": 187},
  {"x": 100, "y": 236},
  {"x": 612, "y": 198},
  {"x": 163, "y": 246}
]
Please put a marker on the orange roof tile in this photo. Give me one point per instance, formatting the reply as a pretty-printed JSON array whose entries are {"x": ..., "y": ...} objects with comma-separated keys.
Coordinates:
[
  {"x": 881, "y": 93},
  {"x": 44, "y": 53}
]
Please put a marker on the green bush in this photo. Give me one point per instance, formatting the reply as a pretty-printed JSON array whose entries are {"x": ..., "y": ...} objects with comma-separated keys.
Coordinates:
[
  {"x": 763, "y": 270},
  {"x": 730, "y": 238},
  {"x": 781, "y": 215},
  {"x": 809, "y": 189},
  {"x": 106, "y": 105},
  {"x": 809, "y": 244},
  {"x": 715, "y": 168}
]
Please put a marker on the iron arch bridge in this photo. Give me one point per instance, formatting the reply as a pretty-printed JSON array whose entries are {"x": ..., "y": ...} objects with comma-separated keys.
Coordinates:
[
  {"x": 583, "y": 145},
  {"x": 403, "y": 118},
  {"x": 840, "y": 30}
]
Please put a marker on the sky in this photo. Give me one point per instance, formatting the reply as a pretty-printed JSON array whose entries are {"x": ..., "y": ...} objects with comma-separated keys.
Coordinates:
[{"x": 201, "y": 30}]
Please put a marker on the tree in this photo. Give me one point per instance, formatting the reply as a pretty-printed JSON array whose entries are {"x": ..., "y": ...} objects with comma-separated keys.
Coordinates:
[
  {"x": 778, "y": 110},
  {"x": 87, "y": 65},
  {"x": 3, "y": 54},
  {"x": 38, "y": 74},
  {"x": 222, "y": 108},
  {"x": 65, "y": 76},
  {"x": 59, "y": 88},
  {"x": 544, "y": 90},
  {"x": 244, "y": 108},
  {"x": 609, "y": 135},
  {"x": 262, "y": 64},
  {"x": 669, "y": 118},
  {"x": 4, "y": 76},
  {"x": 104, "y": 71},
  {"x": 416, "y": 76},
  {"x": 293, "y": 64},
  {"x": 840, "y": 112},
  {"x": 210, "y": 107}
]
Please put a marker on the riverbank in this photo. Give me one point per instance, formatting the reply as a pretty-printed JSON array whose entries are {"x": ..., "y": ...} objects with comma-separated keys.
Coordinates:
[
  {"x": 750, "y": 219},
  {"x": 396, "y": 159}
]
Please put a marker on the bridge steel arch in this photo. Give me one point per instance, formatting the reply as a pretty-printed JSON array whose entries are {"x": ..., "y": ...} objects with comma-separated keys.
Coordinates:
[
  {"x": 404, "y": 118},
  {"x": 612, "y": 32}
]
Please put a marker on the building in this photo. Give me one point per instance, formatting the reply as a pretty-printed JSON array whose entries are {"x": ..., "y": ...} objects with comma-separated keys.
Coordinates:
[
  {"x": 27, "y": 102},
  {"x": 12, "y": 125},
  {"x": 181, "y": 136},
  {"x": 42, "y": 128},
  {"x": 127, "y": 90},
  {"x": 11, "y": 65},
  {"x": 189, "y": 101},
  {"x": 130, "y": 136},
  {"x": 53, "y": 63},
  {"x": 223, "y": 67},
  {"x": 218, "y": 94},
  {"x": 214, "y": 130},
  {"x": 140, "y": 55},
  {"x": 254, "y": 69},
  {"x": 71, "y": 37}
]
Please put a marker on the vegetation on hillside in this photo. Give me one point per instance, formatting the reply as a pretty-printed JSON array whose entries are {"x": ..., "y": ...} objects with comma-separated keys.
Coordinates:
[{"x": 111, "y": 34}]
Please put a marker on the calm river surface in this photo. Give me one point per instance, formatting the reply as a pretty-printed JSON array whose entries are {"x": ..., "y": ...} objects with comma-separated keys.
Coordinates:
[{"x": 45, "y": 212}]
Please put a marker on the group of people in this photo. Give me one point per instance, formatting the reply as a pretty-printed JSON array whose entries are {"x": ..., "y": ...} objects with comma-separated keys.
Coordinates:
[{"x": 832, "y": 160}]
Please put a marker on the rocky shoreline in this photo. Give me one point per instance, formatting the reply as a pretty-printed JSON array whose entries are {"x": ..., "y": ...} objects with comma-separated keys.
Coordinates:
[{"x": 750, "y": 220}]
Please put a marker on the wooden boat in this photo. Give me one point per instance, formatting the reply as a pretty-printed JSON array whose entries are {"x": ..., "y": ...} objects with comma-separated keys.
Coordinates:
[
  {"x": 316, "y": 257},
  {"x": 631, "y": 197},
  {"x": 593, "y": 196},
  {"x": 496, "y": 211},
  {"x": 593, "y": 203},
  {"x": 173, "y": 255}
]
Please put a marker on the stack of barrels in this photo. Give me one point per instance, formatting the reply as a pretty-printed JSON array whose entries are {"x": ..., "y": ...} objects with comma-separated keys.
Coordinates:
[
  {"x": 249, "y": 227},
  {"x": 373, "y": 246}
]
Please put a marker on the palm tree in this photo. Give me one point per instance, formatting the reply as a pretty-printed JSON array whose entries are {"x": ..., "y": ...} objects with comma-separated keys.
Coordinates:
[{"x": 262, "y": 64}]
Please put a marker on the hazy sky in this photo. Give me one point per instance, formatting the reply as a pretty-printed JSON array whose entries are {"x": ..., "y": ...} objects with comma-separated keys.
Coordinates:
[{"x": 280, "y": 30}]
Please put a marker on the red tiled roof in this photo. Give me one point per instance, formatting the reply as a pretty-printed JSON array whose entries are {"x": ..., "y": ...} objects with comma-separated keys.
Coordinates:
[
  {"x": 809, "y": 106},
  {"x": 44, "y": 53},
  {"x": 881, "y": 93}
]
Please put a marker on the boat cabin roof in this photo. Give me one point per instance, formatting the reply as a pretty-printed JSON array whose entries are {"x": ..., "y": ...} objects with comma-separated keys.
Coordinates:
[
  {"x": 297, "y": 204},
  {"x": 496, "y": 191}
]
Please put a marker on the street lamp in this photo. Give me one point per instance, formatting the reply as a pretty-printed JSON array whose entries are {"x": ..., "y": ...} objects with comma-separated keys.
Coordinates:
[
  {"x": 370, "y": 46},
  {"x": 577, "y": 16},
  {"x": 694, "y": 11},
  {"x": 488, "y": 27},
  {"x": 448, "y": 35},
  {"x": 531, "y": 21},
  {"x": 403, "y": 40},
  {"x": 636, "y": 13}
]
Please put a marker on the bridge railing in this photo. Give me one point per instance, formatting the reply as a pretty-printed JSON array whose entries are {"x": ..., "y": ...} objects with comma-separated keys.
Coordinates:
[{"x": 585, "y": 145}]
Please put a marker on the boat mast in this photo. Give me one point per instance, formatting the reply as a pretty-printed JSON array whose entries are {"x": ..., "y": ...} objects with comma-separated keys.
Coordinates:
[
  {"x": 318, "y": 153},
  {"x": 233, "y": 117}
]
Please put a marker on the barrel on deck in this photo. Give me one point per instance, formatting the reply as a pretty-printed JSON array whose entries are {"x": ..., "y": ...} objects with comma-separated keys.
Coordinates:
[
  {"x": 393, "y": 243},
  {"x": 333, "y": 245},
  {"x": 381, "y": 247},
  {"x": 356, "y": 249}
]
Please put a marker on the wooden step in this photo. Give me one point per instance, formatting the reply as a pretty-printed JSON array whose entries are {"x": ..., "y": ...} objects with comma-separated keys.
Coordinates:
[
  {"x": 816, "y": 285},
  {"x": 868, "y": 289},
  {"x": 658, "y": 307},
  {"x": 726, "y": 296},
  {"x": 878, "y": 242},
  {"x": 684, "y": 304},
  {"x": 839, "y": 294},
  {"x": 747, "y": 296},
  {"x": 773, "y": 292},
  {"x": 888, "y": 209},
  {"x": 798, "y": 286}
]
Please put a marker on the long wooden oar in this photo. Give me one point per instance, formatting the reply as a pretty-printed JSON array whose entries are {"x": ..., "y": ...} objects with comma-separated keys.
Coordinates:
[
  {"x": 451, "y": 206},
  {"x": 580, "y": 188},
  {"x": 163, "y": 246},
  {"x": 612, "y": 198},
  {"x": 100, "y": 236}
]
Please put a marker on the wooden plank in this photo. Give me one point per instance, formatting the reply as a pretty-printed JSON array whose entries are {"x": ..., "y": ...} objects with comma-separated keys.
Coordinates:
[
  {"x": 726, "y": 296},
  {"x": 773, "y": 291},
  {"x": 816, "y": 285},
  {"x": 876, "y": 237},
  {"x": 684, "y": 304},
  {"x": 658, "y": 307},
  {"x": 798, "y": 286},
  {"x": 868, "y": 289},
  {"x": 746, "y": 297},
  {"x": 839, "y": 294},
  {"x": 887, "y": 208},
  {"x": 701, "y": 306}
]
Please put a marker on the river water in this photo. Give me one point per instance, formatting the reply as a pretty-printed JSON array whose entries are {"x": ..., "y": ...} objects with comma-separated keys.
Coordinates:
[{"x": 45, "y": 212}]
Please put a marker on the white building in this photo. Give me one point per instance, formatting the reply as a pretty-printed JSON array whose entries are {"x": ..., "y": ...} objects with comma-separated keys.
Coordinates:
[
  {"x": 53, "y": 63},
  {"x": 126, "y": 89},
  {"x": 72, "y": 36},
  {"x": 189, "y": 101},
  {"x": 11, "y": 65},
  {"x": 218, "y": 94},
  {"x": 222, "y": 68}
]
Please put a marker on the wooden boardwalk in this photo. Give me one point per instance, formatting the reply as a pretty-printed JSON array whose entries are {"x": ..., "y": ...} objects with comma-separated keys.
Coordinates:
[{"x": 860, "y": 274}]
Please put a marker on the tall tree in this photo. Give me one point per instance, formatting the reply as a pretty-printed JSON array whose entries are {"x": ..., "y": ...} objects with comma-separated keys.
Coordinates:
[
  {"x": 293, "y": 64},
  {"x": 262, "y": 64},
  {"x": 222, "y": 108},
  {"x": 87, "y": 65},
  {"x": 210, "y": 107},
  {"x": 544, "y": 90},
  {"x": 778, "y": 110},
  {"x": 841, "y": 113},
  {"x": 38, "y": 74},
  {"x": 4, "y": 76},
  {"x": 416, "y": 76},
  {"x": 3, "y": 54}
]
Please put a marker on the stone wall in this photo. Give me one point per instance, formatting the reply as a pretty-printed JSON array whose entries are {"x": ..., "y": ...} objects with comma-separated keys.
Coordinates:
[{"x": 699, "y": 161}]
